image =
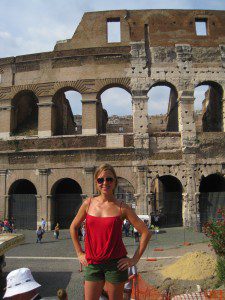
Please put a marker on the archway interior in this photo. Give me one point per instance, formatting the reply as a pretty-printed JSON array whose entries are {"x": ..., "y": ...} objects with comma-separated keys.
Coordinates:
[
  {"x": 162, "y": 108},
  {"x": 25, "y": 114},
  {"x": 23, "y": 204},
  {"x": 75, "y": 100},
  {"x": 63, "y": 122},
  {"x": 66, "y": 202},
  {"x": 115, "y": 111},
  {"x": 125, "y": 191},
  {"x": 208, "y": 107},
  {"x": 168, "y": 201},
  {"x": 212, "y": 195}
]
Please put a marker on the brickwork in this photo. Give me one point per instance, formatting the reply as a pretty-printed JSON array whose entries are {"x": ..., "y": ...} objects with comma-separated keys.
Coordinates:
[{"x": 40, "y": 142}]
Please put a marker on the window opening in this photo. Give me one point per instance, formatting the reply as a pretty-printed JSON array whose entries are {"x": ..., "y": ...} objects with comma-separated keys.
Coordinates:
[
  {"x": 113, "y": 31},
  {"x": 201, "y": 27}
]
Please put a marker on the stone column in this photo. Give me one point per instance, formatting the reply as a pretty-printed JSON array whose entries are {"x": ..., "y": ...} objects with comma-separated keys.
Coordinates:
[
  {"x": 186, "y": 118},
  {"x": 142, "y": 205},
  {"x": 185, "y": 217},
  {"x": 43, "y": 190},
  {"x": 3, "y": 196},
  {"x": 5, "y": 119},
  {"x": 90, "y": 189},
  {"x": 89, "y": 114},
  {"x": 223, "y": 113},
  {"x": 45, "y": 116},
  {"x": 140, "y": 121}
]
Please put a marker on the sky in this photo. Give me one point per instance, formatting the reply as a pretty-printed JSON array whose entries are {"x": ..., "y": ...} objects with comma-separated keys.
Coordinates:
[{"x": 32, "y": 26}]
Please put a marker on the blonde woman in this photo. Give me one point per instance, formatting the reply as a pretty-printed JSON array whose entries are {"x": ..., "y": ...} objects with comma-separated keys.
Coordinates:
[{"x": 105, "y": 257}]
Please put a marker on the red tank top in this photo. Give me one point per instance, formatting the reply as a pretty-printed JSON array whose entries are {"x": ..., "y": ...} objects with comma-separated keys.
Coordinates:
[{"x": 103, "y": 239}]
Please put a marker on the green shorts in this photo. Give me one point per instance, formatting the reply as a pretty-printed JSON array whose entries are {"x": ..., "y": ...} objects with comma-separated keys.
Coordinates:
[{"x": 107, "y": 272}]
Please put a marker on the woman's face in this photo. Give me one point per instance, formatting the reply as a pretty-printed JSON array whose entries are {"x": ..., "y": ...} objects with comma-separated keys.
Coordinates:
[{"x": 106, "y": 182}]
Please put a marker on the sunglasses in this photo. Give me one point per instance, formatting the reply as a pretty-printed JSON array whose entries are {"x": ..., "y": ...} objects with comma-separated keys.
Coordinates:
[{"x": 107, "y": 179}]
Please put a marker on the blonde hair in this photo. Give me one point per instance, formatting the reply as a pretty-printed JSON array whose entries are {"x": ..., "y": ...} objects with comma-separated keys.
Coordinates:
[{"x": 105, "y": 167}]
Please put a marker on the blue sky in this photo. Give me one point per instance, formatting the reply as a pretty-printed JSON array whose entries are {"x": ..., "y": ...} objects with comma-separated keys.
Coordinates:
[{"x": 32, "y": 26}]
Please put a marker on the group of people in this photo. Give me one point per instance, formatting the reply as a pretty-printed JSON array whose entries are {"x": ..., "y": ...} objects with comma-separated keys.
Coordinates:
[
  {"x": 7, "y": 226},
  {"x": 41, "y": 231},
  {"x": 104, "y": 256}
]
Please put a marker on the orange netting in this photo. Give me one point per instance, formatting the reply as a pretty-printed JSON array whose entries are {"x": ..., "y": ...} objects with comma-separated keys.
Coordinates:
[{"x": 141, "y": 290}]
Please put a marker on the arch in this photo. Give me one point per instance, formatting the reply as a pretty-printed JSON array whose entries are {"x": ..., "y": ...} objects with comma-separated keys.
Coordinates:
[
  {"x": 166, "y": 120},
  {"x": 209, "y": 117},
  {"x": 168, "y": 200},
  {"x": 63, "y": 118},
  {"x": 23, "y": 204},
  {"x": 212, "y": 195},
  {"x": 125, "y": 191},
  {"x": 65, "y": 202},
  {"x": 113, "y": 85},
  {"x": 24, "y": 116},
  {"x": 114, "y": 109}
]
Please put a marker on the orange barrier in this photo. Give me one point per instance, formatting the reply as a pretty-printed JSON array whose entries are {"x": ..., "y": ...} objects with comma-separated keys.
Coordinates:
[
  {"x": 151, "y": 259},
  {"x": 141, "y": 290},
  {"x": 158, "y": 249}
]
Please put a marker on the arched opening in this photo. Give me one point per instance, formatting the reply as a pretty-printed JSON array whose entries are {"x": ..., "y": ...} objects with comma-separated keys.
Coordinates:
[
  {"x": 67, "y": 112},
  {"x": 212, "y": 195},
  {"x": 23, "y": 204},
  {"x": 25, "y": 114},
  {"x": 168, "y": 201},
  {"x": 115, "y": 111},
  {"x": 162, "y": 108},
  {"x": 66, "y": 200},
  {"x": 125, "y": 192},
  {"x": 208, "y": 107}
]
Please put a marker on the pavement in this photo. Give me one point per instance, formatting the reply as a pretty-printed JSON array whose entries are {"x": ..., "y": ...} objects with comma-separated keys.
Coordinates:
[{"x": 54, "y": 263}]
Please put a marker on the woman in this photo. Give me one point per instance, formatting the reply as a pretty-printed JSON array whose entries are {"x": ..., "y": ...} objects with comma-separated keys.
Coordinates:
[{"x": 105, "y": 254}]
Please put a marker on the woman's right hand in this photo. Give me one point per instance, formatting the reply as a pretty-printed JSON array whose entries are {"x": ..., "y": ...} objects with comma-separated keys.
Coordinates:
[{"x": 82, "y": 259}]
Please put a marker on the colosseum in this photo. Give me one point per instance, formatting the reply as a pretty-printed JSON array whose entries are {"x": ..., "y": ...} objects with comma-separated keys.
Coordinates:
[{"x": 174, "y": 163}]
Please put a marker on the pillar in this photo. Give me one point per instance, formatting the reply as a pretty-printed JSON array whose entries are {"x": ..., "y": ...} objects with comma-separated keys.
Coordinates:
[
  {"x": 186, "y": 118},
  {"x": 89, "y": 114},
  {"x": 45, "y": 116},
  {"x": 223, "y": 114},
  {"x": 140, "y": 121},
  {"x": 5, "y": 119},
  {"x": 142, "y": 203},
  {"x": 43, "y": 190},
  {"x": 89, "y": 181},
  {"x": 3, "y": 197}
]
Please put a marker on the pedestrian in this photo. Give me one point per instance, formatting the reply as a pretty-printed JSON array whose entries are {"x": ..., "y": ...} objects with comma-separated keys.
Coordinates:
[
  {"x": 56, "y": 231},
  {"x": 127, "y": 228},
  {"x": 43, "y": 224},
  {"x": 12, "y": 224},
  {"x": 21, "y": 285},
  {"x": 136, "y": 235},
  {"x": 105, "y": 256},
  {"x": 7, "y": 227},
  {"x": 80, "y": 235},
  {"x": 39, "y": 233}
]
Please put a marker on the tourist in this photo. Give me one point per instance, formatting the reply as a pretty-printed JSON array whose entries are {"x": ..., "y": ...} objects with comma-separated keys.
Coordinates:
[
  {"x": 105, "y": 257},
  {"x": 43, "y": 224},
  {"x": 56, "y": 231},
  {"x": 21, "y": 285},
  {"x": 39, "y": 233}
]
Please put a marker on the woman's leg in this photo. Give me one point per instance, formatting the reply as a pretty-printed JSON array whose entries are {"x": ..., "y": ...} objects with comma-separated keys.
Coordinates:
[
  {"x": 93, "y": 289},
  {"x": 115, "y": 290}
]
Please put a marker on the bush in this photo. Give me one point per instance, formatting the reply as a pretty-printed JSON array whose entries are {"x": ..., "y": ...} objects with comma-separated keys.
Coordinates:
[{"x": 215, "y": 231}]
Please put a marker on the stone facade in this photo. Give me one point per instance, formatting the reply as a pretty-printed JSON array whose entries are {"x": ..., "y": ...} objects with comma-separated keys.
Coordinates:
[{"x": 41, "y": 144}]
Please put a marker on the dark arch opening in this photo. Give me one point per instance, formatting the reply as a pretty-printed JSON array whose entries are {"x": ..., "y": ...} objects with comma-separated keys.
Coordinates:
[
  {"x": 66, "y": 201},
  {"x": 168, "y": 201},
  {"x": 23, "y": 204},
  {"x": 212, "y": 195},
  {"x": 163, "y": 107},
  {"x": 25, "y": 114}
]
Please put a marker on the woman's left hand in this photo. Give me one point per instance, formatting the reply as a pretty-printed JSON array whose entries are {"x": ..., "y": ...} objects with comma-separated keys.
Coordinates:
[{"x": 125, "y": 263}]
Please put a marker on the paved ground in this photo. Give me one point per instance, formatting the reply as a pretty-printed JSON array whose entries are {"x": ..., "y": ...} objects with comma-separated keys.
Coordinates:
[{"x": 54, "y": 263}]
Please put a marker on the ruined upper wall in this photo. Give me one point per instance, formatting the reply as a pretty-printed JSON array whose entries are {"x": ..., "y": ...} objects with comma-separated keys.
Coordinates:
[{"x": 164, "y": 27}]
